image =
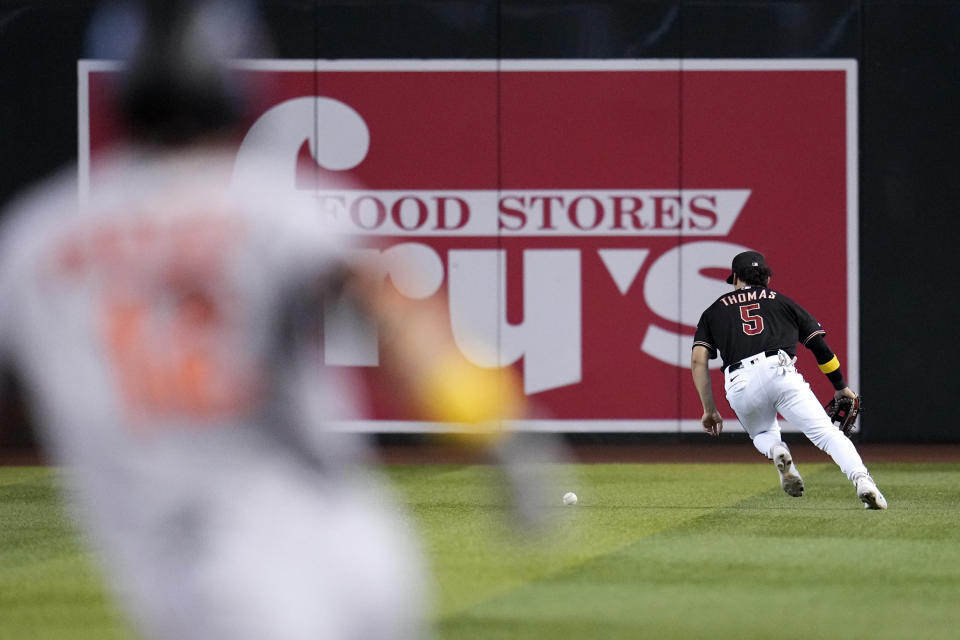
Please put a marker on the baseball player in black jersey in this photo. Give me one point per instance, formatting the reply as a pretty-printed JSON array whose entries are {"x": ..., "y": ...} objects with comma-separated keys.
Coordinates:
[{"x": 756, "y": 330}]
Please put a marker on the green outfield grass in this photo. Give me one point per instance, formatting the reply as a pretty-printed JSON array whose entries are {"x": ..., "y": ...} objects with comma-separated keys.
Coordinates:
[{"x": 650, "y": 551}]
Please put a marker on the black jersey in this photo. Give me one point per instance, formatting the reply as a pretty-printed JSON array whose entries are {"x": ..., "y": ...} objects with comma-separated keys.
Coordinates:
[{"x": 752, "y": 320}]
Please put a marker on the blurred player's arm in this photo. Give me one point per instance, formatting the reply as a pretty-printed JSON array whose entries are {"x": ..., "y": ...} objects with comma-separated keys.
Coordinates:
[
  {"x": 420, "y": 355},
  {"x": 419, "y": 352},
  {"x": 711, "y": 421},
  {"x": 830, "y": 366}
]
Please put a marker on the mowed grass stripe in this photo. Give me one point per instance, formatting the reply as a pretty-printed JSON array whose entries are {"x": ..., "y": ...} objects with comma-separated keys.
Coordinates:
[
  {"x": 475, "y": 555},
  {"x": 20, "y": 475},
  {"x": 767, "y": 566},
  {"x": 35, "y": 528}
]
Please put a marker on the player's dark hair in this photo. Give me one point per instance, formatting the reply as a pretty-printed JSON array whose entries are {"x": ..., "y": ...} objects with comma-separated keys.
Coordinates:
[{"x": 756, "y": 276}]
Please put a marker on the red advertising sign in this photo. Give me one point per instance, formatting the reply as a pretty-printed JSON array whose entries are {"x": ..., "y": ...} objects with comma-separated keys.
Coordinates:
[{"x": 578, "y": 215}]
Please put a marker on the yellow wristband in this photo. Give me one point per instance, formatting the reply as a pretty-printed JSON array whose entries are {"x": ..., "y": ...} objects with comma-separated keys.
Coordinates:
[
  {"x": 475, "y": 398},
  {"x": 832, "y": 365}
]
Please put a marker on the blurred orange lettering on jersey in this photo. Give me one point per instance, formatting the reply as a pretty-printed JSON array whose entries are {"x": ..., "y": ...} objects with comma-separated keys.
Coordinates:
[{"x": 165, "y": 315}]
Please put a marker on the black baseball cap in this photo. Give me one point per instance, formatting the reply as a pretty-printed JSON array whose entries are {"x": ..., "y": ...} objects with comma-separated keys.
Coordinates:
[
  {"x": 178, "y": 85},
  {"x": 744, "y": 260}
]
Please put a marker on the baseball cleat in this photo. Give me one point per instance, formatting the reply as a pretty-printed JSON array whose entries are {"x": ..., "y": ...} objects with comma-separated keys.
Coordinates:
[
  {"x": 790, "y": 478},
  {"x": 868, "y": 493}
]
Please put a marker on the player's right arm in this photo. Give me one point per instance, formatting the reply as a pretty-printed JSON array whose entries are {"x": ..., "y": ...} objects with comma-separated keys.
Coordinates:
[{"x": 711, "y": 420}]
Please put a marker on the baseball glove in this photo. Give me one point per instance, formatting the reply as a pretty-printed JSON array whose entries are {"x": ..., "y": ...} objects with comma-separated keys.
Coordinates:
[{"x": 844, "y": 413}]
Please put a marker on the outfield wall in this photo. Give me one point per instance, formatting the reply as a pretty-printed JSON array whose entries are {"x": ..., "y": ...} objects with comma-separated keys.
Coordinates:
[{"x": 577, "y": 176}]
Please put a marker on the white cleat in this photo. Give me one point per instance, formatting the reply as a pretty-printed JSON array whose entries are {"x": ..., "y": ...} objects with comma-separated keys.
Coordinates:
[
  {"x": 868, "y": 493},
  {"x": 790, "y": 478}
]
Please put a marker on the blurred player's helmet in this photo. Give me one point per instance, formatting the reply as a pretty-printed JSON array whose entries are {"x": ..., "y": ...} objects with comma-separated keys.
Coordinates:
[{"x": 176, "y": 83}]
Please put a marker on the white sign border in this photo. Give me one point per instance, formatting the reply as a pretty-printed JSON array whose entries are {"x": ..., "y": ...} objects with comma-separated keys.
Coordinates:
[{"x": 848, "y": 65}]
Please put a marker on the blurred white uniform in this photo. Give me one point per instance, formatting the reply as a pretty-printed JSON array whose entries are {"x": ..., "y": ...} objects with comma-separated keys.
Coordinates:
[{"x": 152, "y": 329}]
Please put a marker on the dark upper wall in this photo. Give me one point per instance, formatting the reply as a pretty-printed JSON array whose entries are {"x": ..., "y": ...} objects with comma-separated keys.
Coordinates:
[{"x": 909, "y": 55}]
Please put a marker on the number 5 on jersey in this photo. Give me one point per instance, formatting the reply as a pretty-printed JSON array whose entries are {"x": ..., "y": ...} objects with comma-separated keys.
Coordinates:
[{"x": 752, "y": 320}]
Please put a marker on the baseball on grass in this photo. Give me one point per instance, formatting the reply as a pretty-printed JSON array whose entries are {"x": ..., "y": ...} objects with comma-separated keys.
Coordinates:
[{"x": 569, "y": 498}]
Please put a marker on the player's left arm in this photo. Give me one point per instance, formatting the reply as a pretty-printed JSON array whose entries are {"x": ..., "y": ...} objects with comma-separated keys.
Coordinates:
[
  {"x": 829, "y": 364},
  {"x": 811, "y": 335},
  {"x": 711, "y": 420}
]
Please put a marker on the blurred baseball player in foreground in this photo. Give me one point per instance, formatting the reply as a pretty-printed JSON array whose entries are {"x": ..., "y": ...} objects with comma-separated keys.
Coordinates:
[
  {"x": 756, "y": 330},
  {"x": 169, "y": 332}
]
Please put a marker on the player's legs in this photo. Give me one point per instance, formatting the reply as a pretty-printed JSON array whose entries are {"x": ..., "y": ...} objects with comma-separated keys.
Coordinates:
[
  {"x": 746, "y": 396},
  {"x": 800, "y": 406},
  {"x": 797, "y": 403},
  {"x": 343, "y": 566},
  {"x": 282, "y": 555},
  {"x": 749, "y": 395}
]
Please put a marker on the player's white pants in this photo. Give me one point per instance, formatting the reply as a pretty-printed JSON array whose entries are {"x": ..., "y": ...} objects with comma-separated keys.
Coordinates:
[
  {"x": 766, "y": 385},
  {"x": 282, "y": 554}
]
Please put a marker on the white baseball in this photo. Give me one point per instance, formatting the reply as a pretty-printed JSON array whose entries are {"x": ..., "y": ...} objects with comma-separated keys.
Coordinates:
[{"x": 569, "y": 498}]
